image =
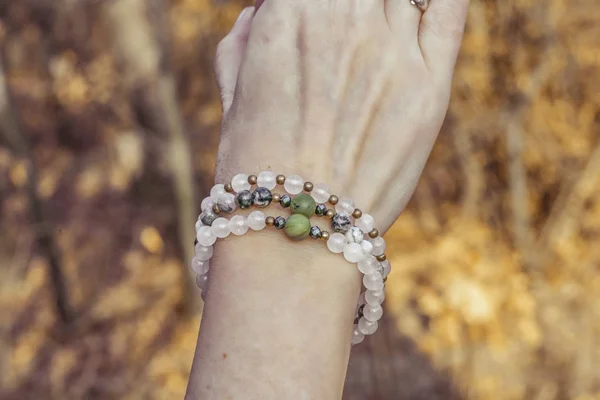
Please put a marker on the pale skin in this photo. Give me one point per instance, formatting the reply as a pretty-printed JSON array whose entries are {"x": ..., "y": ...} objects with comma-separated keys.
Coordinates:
[{"x": 348, "y": 92}]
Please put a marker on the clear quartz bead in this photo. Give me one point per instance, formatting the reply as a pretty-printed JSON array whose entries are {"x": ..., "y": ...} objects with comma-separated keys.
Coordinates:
[
  {"x": 373, "y": 281},
  {"x": 367, "y": 247},
  {"x": 345, "y": 205},
  {"x": 256, "y": 220},
  {"x": 378, "y": 246},
  {"x": 373, "y": 312},
  {"x": 361, "y": 300},
  {"x": 203, "y": 253},
  {"x": 294, "y": 184},
  {"x": 387, "y": 268},
  {"x": 199, "y": 266},
  {"x": 240, "y": 183},
  {"x": 353, "y": 252},
  {"x": 202, "y": 281},
  {"x": 215, "y": 192},
  {"x": 336, "y": 243},
  {"x": 374, "y": 297},
  {"x": 207, "y": 203},
  {"x": 199, "y": 225},
  {"x": 267, "y": 180},
  {"x": 320, "y": 193},
  {"x": 357, "y": 336},
  {"x": 238, "y": 225},
  {"x": 226, "y": 202},
  {"x": 365, "y": 223},
  {"x": 368, "y": 264},
  {"x": 367, "y": 327},
  {"x": 205, "y": 236},
  {"x": 220, "y": 227}
]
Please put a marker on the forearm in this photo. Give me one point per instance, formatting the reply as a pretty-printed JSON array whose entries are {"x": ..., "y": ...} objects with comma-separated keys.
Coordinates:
[{"x": 277, "y": 321}]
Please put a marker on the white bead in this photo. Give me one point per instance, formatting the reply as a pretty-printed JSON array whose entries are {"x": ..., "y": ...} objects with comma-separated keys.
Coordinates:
[
  {"x": 207, "y": 203},
  {"x": 205, "y": 236},
  {"x": 202, "y": 281},
  {"x": 387, "y": 268},
  {"x": 215, "y": 192},
  {"x": 199, "y": 266},
  {"x": 367, "y": 327},
  {"x": 345, "y": 205},
  {"x": 256, "y": 220},
  {"x": 266, "y": 179},
  {"x": 240, "y": 183},
  {"x": 367, "y": 247},
  {"x": 374, "y": 297},
  {"x": 203, "y": 253},
  {"x": 378, "y": 246},
  {"x": 320, "y": 193},
  {"x": 238, "y": 225},
  {"x": 357, "y": 336},
  {"x": 220, "y": 227},
  {"x": 226, "y": 202},
  {"x": 365, "y": 223},
  {"x": 368, "y": 264},
  {"x": 293, "y": 184},
  {"x": 354, "y": 235},
  {"x": 336, "y": 242},
  {"x": 353, "y": 253},
  {"x": 198, "y": 225},
  {"x": 373, "y": 312},
  {"x": 373, "y": 281}
]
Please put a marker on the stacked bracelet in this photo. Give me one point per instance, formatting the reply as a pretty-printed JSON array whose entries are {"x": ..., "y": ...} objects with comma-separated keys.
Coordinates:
[{"x": 359, "y": 242}]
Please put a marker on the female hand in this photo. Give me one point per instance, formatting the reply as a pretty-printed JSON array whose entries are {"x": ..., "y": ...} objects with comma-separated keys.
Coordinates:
[{"x": 348, "y": 92}]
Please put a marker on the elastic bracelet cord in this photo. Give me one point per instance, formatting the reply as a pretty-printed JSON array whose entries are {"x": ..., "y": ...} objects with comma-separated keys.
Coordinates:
[{"x": 353, "y": 232}]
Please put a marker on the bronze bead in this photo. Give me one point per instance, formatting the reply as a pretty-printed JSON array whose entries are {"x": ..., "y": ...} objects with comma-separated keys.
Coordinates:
[
  {"x": 252, "y": 179},
  {"x": 374, "y": 233},
  {"x": 385, "y": 279},
  {"x": 381, "y": 258},
  {"x": 270, "y": 221},
  {"x": 216, "y": 209},
  {"x": 276, "y": 197},
  {"x": 329, "y": 214},
  {"x": 228, "y": 188},
  {"x": 357, "y": 213},
  {"x": 333, "y": 199},
  {"x": 308, "y": 186},
  {"x": 280, "y": 179},
  {"x": 324, "y": 235}
]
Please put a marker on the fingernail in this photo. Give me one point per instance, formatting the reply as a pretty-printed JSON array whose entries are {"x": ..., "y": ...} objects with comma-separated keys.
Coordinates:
[{"x": 245, "y": 12}]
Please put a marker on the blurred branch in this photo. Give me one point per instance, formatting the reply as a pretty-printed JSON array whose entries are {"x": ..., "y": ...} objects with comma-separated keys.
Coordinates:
[
  {"x": 142, "y": 57},
  {"x": 18, "y": 143}
]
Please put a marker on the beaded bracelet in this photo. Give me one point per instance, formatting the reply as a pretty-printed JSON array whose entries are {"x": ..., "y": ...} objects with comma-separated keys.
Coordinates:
[{"x": 368, "y": 254}]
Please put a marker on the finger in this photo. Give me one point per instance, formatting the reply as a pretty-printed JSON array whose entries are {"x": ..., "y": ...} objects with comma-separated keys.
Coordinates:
[
  {"x": 403, "y": 18},
  {"x": 441, "y": 32},
  {"x": 230, "y": 53}
]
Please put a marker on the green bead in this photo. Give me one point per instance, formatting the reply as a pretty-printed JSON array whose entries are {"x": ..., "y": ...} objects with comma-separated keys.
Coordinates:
[
  {"x": 303, "y": 204},
  {"x": 297, "y": 227}
]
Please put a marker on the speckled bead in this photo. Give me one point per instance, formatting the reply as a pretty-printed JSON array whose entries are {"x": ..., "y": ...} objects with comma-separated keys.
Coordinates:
[
  {"x": 315, "y": 232},
  {"x": 303, "y": 204},
  {"x": 297, "y": 227},
  {"x": 208, "y": 216},
  {"x": 279, "y": 223},
  {"x": 244, "y": 199},
  {"x": 354, "y": 235},
  {"x": 321, "y": 210},
  {"x": 262, "y": 197},
  {"x": 341, "y": 222},
  {"x": 285, "y": 201}
]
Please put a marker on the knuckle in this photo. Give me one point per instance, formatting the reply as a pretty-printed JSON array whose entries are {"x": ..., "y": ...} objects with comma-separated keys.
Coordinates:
[{"x": 447, "y": 19}]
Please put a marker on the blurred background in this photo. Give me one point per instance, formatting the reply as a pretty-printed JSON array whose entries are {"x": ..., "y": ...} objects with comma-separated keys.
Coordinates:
[{"x": 109, "y": 121}]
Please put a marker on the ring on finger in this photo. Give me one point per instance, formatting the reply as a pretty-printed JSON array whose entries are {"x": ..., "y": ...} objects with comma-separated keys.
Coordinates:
[{"x": 420, "y": 4}]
